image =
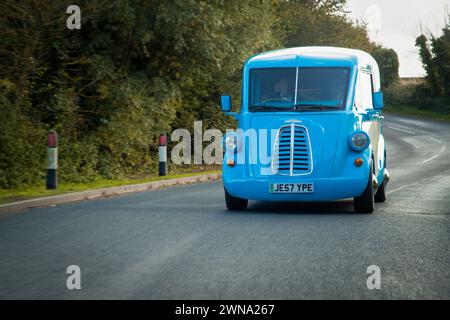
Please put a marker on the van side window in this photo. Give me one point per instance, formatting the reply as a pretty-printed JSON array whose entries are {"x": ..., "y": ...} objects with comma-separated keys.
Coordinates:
[
  {"x": 357, "y": 101},
  {"x": 366, "y": 91}
]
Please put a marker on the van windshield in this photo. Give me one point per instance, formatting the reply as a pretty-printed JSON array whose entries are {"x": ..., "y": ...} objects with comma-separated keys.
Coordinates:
[{"x": 302, "y": 89}]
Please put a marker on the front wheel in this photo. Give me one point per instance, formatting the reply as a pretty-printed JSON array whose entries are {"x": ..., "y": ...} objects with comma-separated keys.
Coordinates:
[
  {"x": 381, "y": 194},
  {"x": 234, "y": 203},
  {"x": 365, "y": 202}
]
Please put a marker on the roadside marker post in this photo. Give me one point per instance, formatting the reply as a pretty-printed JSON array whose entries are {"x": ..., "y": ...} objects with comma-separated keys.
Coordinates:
[
  {"x": 52, "y": 159},
  {"x": 162, "y": 155}
]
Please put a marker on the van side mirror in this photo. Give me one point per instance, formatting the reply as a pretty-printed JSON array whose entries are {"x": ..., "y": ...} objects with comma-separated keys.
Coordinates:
[
  {"x": 378, "y": 100},
  {"x": 225, "y": 102}
]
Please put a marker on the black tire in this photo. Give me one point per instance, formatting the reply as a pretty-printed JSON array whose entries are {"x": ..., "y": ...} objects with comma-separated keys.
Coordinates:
[
  {"x": 381, "y": 194},
  {"x": 234, "y": 203},
  {"x": 365, "y": 203}
]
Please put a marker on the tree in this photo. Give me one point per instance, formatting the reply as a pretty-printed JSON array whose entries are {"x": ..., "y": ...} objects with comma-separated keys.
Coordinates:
[
  {"x": 433, "y": 78},
  {"x": 313, "y": 23},
  {"x": 388, "y": 63}
]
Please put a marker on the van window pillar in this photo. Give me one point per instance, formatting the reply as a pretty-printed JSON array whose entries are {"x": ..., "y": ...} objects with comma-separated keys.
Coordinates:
[{"x": 296, "y": 87}]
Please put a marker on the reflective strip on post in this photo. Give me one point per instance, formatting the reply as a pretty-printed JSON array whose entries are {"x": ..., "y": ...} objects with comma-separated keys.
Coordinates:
[
  {"x": 162, "y": 155},
  {"x": 52, "y": 159}
]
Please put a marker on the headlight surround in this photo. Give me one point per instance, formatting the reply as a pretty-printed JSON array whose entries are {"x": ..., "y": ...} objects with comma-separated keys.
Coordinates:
[
  {"x": 359, "y": 140},
  {"x": 231, "y": 142}
]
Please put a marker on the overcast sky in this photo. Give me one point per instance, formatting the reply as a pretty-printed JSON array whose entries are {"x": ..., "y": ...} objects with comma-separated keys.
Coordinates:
[{"x": 397, "y": 23}]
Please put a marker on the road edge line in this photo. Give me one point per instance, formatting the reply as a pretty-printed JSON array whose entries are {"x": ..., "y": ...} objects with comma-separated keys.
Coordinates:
[{"x": 18, "y": 206}]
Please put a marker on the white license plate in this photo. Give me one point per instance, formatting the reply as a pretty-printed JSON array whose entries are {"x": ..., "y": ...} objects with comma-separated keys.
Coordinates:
[{"x": 291, "y": 188}]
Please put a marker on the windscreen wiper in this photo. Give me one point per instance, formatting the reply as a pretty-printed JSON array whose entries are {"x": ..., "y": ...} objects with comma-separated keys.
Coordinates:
[
  {"x": 268, "y": 108},
  {"x": 313, "y": 107}
]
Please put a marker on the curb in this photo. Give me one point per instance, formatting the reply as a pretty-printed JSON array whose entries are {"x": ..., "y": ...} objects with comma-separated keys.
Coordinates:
[{"x": 104, "y": 192}]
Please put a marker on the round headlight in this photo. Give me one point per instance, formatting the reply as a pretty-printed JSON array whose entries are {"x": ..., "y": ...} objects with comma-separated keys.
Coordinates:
[
  {"x": 230, "y": 141},
  {"x": 359, "y": 140}
]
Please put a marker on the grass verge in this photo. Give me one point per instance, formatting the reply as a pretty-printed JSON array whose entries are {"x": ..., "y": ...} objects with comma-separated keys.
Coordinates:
[
  {"x": 11, "y": 195},
  {"x": 414, "y": 111}
]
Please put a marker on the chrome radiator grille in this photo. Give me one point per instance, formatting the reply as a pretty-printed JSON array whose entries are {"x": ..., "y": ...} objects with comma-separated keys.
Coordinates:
[{"x": 292, "y": 151}]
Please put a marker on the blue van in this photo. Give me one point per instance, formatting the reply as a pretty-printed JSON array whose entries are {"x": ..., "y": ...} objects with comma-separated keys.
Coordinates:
[{"x": 309, "y": 129}]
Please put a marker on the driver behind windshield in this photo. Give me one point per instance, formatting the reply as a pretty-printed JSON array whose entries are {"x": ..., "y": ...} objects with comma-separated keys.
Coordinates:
[{"x": 280, "y": 91}]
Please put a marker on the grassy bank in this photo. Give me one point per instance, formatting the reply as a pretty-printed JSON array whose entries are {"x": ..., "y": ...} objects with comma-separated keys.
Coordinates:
[
  {"x": 415, "y": 111},
  {"x": 11, "y": 195}
]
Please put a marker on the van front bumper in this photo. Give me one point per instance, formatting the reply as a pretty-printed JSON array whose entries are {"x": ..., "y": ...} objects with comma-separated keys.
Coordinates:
[{"x": 325, "y": 189}]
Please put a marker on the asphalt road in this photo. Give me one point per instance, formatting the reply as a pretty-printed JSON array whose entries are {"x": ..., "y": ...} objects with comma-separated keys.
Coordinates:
[{"x": 181, "y": 243}]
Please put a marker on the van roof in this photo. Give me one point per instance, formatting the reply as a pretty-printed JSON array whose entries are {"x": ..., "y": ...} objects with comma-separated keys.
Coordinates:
[
  {"x": 317, "y": 56},
  {"x": 318, "y": 51}
]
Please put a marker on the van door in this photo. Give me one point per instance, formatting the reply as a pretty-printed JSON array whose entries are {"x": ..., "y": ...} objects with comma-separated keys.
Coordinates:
[{"x": 371, "y": 118}]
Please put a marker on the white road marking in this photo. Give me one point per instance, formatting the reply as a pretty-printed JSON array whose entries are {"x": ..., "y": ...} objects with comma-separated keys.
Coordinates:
[
  {"x": 424, "y": 161},
  {"x": 434, "y": 139},
  {"x": 435, "y": 156},
  {"x": 400, "y": 188},
  {"x": 430, "y": 137},
  {"x": 402, "y": 130}
]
